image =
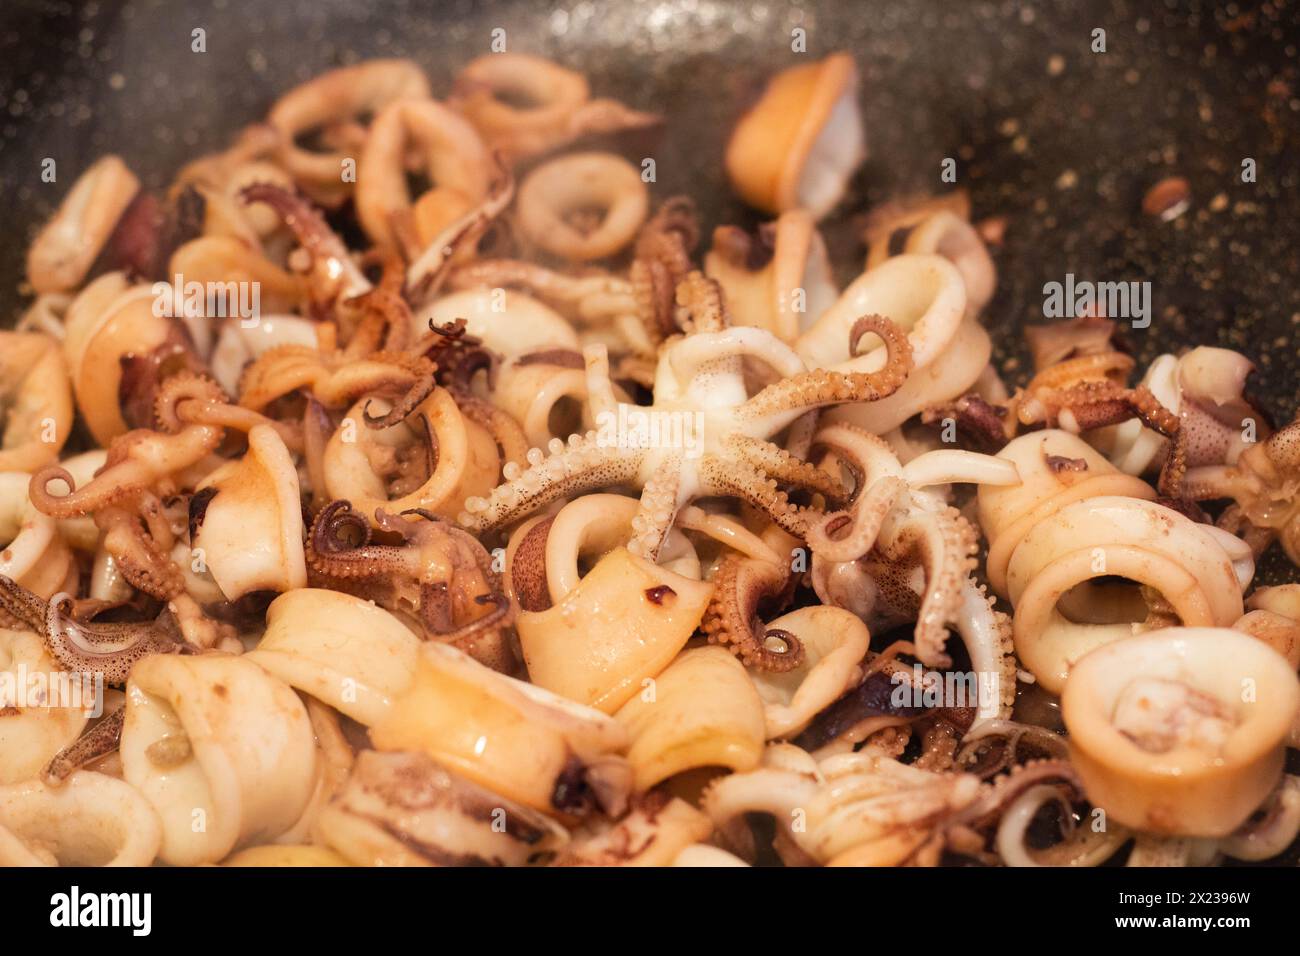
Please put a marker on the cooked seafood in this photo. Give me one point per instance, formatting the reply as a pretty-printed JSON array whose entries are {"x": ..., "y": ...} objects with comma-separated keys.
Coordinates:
[{"x": 465, "y": 511}]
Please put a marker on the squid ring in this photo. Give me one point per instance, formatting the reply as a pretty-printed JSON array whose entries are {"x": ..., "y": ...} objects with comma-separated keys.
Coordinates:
[
  {"x": 35, "y": 393},
  {"x": 520, "y": 102},
  {"x": 215, "y": 740},
  {"x": 924, "y": 295},
  {"x": 835, "y": 641},
  {"x": 108, "y": 322},
  {"x": 619, "y": 626},
  {"x": 953, "y": 373},
  {"x": 338, "y": 96},
  {"x": 508, "y": 321},
  {"x": 67, "y": 247},
  {"x": 599, "y": 524},
  {"x": 577, "y": 183},
  {"x": 402, "y": 809},
  {"x": 801, "y": 142},
  {"x": 251, "y": 531},
  {"x": 945, "y": 233},
  {"x": 346, "y": 652},
  {"x": 768, "y": 296},
  {"x": 455, "y": 158},
  {"x": 31, "y": 735},
  {"x": 1181, "y": 731},
  {"x": 704, "y": 712},
  {"x": 546, "y": 392},
  {"x": 1103, "y": 537},
  {"x": 514, "y": 738},
  {"x": 90, "y": 820},
  {"x": 1056, "y": 468}
]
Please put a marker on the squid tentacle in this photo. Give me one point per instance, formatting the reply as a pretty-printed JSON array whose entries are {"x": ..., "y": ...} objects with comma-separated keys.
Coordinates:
[
  {"x": 785, "y": 400},
  {"x": 731, "y": 620},
  {"x": 735, "y": 478},
  {"x": 580, "y": 467},
  {"x": 99, "y": 741},
  {"x": 659, "y": 504},
  {"x": 787, "y": 468}
]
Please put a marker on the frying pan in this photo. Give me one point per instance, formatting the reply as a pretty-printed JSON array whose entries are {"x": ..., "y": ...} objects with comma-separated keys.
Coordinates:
[{"x": 1062, "y": 141}]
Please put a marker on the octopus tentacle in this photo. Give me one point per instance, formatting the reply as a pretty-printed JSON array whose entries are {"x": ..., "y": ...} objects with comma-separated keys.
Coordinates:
[
  {"x": 997, "y": 794},
  {"x": 477, "y": 583},
  {"x": 227, "y": 416},
  {"x": 188, "y": 398},
  {"x": 653, "y": 290},
  {"x": 385, "y": 323},
  {"x": 438, "y": 617},
  {"x": 783, "y": 401},
  {"x": 136, "y": 461},
  {"x": 986, "y": 633},
  {"x": 985, "y": 425},
  {"x": 701, "y": 355},
  {"x": 421, "y": 386},
  {"x": 184, "y": 387},
  {"x": 1110, "y": 366},
  {"x": 440, "y": 574},
  {"x": 878, "y": 484},
  {"x": 581, "y": 466},
  {"x": 512, "y": 443},
  {"x": 100, "y": 741},
  {"x": 143, "y": 560},
  {"x": 334, "y": 274},
  {"x": 943, "y": 544},
  {"x": 721, "y": 476},
  {"x": 328, "y": 549},
  {"x": 659, "y": 503},
  {"x": 317, "y": 427},
  {"x": 938, "y": 746},
  {"x": 501, "y": 615},
  {"x": 408, "y": 379},
  {"x": 21, "y": 606},
  {"x": 429, "y": 271},
  {"x": 1097, "y": 402},
  {"x": 661, "y": 263},
  {"x": 1148, "y": 409},
  {"x": 458, "y": 355},
  {"x": 600, "y": 387},
  {"x": 731, "y": 620},
  {"x": 1077, "y": 846},
  {"x": 700, "y": 299},
  {"x": 1264, "y": 485},
  {"x": 786, "y": 468},
  {"x": 277, "y": 372},
  {"x": 992, "y": 747},
  {"x": 846, "y": 535},
  {"x": 108, "y": 649}
]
